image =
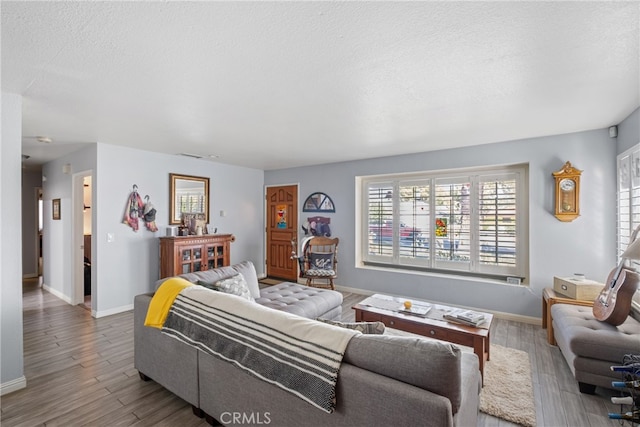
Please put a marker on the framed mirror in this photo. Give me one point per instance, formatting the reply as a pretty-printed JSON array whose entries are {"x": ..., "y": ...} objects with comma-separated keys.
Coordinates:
[{"x": 189, "y": 195}]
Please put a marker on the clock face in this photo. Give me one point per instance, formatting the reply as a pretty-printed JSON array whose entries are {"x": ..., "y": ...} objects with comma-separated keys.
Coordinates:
[{"x": 567, "y": 184}]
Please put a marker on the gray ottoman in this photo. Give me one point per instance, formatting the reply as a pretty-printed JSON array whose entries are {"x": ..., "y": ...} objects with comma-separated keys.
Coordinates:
[
  {"x": 302, "y": 300},
  {"x": 590, "y": 347}
]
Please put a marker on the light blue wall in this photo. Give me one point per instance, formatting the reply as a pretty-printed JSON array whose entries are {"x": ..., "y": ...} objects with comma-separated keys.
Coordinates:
[
  {"x": 129, "y": 265},
  {"x": 11, "y": 347},
  {"x": 57, "y": 247},
  {"x": 586, "y": 245},
  {"x": 629, "y": 132}
]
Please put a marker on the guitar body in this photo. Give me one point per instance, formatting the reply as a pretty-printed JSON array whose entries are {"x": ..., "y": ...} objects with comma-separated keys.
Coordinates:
[{"x": 614, "y": 302}]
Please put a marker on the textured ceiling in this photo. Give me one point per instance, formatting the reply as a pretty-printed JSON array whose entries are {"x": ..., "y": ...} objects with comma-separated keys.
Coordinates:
[{"x": 280, "y": 84}]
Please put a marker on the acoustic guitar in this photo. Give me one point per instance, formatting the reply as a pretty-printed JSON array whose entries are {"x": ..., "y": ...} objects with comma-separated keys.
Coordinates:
[{"x": 614, "y": 302}]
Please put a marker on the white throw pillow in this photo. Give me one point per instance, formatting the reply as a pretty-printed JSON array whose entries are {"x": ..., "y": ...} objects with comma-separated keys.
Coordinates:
[
  {"x": 248, "y": 270},
  {"x": 235, "y": 285}
]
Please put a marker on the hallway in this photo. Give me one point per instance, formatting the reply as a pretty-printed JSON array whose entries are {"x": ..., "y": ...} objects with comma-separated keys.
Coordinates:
[{"x": 80, "y": 371}]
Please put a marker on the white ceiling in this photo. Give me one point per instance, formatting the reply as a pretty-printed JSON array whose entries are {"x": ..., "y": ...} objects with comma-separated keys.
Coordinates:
[{"x": 279, "y": 84}]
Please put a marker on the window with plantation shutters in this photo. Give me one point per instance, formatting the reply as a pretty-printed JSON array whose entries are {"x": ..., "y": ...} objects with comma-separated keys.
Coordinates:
[
  {"x": 380, "y": 208},
  {"x": 470, "y": 221},
  {"x": 497, "y": 220},
  {"x": 628, "y": 197}
]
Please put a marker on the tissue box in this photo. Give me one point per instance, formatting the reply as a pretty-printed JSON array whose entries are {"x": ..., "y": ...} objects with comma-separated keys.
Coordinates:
[{"x": 577, "y": 289}]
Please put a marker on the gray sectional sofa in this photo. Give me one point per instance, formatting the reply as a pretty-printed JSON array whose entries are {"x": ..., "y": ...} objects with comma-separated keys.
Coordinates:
[
  {"x": 383, "y": 380},
  {"x": 591, "y": 347}
]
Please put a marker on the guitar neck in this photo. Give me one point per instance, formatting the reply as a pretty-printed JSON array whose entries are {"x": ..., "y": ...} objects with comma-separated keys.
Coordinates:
[{"x": 615, "y": 276}]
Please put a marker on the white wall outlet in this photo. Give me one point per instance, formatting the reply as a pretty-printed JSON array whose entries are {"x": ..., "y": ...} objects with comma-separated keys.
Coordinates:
[
  {"x": 223, "y": 213},
  {"x": 110, "y": 237}
]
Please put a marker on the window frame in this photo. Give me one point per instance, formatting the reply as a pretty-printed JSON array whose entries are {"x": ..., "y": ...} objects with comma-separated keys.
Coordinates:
[
  {"x": 431, "y": 263},
  {"x": 629, "y": 220}
]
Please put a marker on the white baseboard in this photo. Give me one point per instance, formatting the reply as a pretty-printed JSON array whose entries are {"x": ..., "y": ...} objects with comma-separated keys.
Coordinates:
[
  {"x": 497, "y": 314},
  {"x": 13, "y": 385},
  {"x": 94, "y": 313},
  {"x": 111, "y": 311},
  {"x": 353, "y": 290},
  {"x": 58, "y": 294}
]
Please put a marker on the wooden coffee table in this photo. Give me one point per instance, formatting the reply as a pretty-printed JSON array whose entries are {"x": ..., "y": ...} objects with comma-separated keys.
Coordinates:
[{"x": 477, "y": 338}]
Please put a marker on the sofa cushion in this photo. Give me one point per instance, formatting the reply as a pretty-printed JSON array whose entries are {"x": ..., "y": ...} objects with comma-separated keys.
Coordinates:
[
  {"x": 235, "y": 285},
  {"x": 591, "y": 338},
  {"x": 246, "y": 268},
  {"x": 417, "y": 361},
  {"x": 364, "y": 327},
  {"x": 304, "y": 301}
]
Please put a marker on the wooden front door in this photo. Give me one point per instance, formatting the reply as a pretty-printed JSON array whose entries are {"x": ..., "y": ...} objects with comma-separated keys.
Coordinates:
[{"x": 282, "y": 228}]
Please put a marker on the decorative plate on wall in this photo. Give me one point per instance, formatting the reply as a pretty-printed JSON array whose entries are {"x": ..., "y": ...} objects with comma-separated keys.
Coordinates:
[{"x": 318, "y": 202}]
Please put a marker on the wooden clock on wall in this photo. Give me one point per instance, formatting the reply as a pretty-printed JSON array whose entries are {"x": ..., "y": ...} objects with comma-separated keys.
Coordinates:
[{"x": 567, "y": 203}]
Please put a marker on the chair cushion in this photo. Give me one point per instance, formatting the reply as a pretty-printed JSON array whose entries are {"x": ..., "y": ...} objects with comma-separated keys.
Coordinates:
[
  {"x": 320, "y": 261},
  {"x": 320, "y": 273}
]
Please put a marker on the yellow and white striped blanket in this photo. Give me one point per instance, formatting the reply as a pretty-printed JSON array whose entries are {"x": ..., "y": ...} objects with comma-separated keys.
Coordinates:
[{"x": 301, "y": 356}]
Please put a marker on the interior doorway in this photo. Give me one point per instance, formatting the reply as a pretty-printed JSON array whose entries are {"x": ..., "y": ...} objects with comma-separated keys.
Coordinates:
[
  {"x": 39, "y": 230},
  {"x": 282, "y": 232},
  {"x": 83, "y": 256}
]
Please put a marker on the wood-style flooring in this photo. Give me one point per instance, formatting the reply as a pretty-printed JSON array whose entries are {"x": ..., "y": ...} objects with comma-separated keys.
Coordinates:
[{"x": 80, "y": 371}]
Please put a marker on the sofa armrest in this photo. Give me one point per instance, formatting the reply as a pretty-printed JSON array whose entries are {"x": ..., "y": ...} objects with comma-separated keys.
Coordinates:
[
  {"x": 416, "y": 361},
  {"x": 167, "y": 361}
]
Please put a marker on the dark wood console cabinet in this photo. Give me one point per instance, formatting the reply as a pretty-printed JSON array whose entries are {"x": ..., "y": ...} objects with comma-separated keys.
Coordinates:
[{"x": 187, "y": 254}]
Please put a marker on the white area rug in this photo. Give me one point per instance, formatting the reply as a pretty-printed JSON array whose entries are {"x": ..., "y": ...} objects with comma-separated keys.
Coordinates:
[{"x": 508, "y": 390}]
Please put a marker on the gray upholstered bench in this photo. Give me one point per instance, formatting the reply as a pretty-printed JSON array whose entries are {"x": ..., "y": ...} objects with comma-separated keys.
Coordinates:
[
  {"x": 302, "y": 300},
  {"x": 591, "y": 347}
]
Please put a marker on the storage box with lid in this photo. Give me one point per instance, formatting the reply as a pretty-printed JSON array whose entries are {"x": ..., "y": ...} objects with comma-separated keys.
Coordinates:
[{"x": 580, "y": 289}]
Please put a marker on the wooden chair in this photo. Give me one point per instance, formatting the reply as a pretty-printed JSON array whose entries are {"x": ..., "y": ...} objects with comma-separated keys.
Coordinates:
[{"x": 320, "y": 264}]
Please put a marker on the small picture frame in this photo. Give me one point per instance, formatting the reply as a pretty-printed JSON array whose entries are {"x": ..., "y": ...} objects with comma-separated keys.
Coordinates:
[
  {"x": 55, "y": 208},
  {"x": 194, "y": 220}
]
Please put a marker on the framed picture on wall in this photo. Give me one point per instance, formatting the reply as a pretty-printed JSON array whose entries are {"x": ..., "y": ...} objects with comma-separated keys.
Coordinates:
[{"x": 55, "y": 208}]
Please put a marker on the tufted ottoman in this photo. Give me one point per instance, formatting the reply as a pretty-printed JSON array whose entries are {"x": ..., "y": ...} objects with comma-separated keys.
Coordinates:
[
  {"x": 590, "y": 347},
  {"x": 302, "y": 300}
]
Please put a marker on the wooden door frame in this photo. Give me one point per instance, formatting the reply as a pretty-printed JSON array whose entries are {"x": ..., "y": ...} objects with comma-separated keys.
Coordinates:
[{"x": 266, "y": 220}]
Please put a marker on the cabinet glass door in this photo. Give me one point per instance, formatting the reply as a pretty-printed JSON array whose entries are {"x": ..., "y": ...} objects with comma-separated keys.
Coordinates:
[
  {"x": 215, "y": 256},
  {"x": 191, "y": 259}
]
